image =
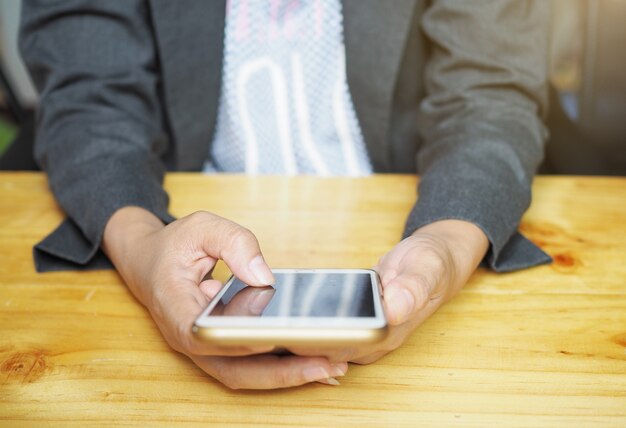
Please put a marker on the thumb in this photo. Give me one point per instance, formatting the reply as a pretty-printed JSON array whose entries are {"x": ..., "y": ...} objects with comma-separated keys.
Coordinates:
[
  {"x": 404, "y": 296},
  {"x": 239, "y": 249}
]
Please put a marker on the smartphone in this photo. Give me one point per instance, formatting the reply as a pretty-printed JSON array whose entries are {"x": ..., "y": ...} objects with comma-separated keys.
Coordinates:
[{"x": 317, "y": 307}]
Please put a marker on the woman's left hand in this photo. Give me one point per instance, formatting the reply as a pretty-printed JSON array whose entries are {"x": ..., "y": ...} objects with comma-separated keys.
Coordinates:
[{"x": 418, "y": 275}]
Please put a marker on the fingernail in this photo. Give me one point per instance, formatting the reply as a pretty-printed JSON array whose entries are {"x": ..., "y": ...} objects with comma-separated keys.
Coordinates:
[
  {"x": 400, "y": 303},
  {"x": 260, "y": 270},
  {"x": 329, "y": 381},
  {"x": 337, "y": 370},
  {"x": 314, "y": 374}
]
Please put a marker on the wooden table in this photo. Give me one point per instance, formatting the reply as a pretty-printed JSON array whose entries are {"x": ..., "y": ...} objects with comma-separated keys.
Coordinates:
[{"x": 541, "y": 347}]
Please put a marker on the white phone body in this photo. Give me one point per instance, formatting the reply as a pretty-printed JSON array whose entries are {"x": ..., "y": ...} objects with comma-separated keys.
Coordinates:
[{"x": 317, "y": 307}]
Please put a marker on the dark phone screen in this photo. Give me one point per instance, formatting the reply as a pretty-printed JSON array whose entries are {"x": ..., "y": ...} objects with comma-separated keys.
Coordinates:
[{"x": 301, "y": 295}]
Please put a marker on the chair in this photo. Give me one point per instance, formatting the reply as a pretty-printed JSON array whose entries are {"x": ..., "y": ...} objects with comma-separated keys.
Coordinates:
[{"x": 19, "y": 155}]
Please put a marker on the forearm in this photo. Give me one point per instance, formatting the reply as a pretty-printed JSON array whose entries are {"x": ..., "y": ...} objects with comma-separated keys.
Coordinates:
[
  {"x": 100, "y": 136},
  {"x": 480, "y": 122}
]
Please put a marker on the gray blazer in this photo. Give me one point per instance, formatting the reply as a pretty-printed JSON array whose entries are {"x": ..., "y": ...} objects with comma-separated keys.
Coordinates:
[{"x": 454, "y": 90}]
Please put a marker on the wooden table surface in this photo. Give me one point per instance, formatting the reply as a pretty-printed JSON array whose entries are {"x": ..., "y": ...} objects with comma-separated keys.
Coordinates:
[{"x": 540, "y": 347}]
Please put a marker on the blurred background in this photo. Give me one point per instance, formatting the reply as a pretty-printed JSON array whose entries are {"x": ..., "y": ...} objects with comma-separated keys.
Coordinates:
[{"x": 587, "y": 118}]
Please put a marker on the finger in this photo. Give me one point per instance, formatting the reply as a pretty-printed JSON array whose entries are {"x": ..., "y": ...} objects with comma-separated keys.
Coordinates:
[
  {"x": 177, "y": 310},
  {"x": 387, "y": 274},
  {"x": 270, "y": 371},
  {"x": 238, "y": 247},
  {"x": 422, "y": 272},
  {"x": 404, "y": 296},
  {"x": 250, "y": 301},
  {"x": 388, "y": 265},
  {"x": 210, "y": 288},
  {"x": 334, "y": 355},
  {"x": 369, "y": 359},
  {"x": 388, "y": 262}
]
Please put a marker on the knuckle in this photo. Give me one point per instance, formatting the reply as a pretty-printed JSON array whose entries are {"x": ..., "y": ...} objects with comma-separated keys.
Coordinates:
[
  {"x": 437, "y": 263},
  {"x": 196, "y": 216},
  {"x": 241, "y": 237},
  {"x": 201, "y": 217},
  {"x": 430, "y": 255}
]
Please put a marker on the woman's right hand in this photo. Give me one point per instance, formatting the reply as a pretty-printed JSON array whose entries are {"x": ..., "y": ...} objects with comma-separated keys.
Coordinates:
[{"x": 168, "y": 269}]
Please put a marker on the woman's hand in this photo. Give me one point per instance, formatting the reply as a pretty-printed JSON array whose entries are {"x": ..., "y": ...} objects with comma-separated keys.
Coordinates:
[
  {"x": 168, "y": 269},
  {"x": 418, "y": 275}
]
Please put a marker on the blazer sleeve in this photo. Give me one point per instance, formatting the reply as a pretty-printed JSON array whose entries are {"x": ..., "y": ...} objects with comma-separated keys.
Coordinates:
[
  {"x": 99, "y": 132},
  {"x": 480, "y": 122}
]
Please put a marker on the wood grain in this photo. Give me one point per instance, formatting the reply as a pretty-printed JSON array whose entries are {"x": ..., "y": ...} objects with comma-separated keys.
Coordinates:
[{"x": 540, "y": 347}]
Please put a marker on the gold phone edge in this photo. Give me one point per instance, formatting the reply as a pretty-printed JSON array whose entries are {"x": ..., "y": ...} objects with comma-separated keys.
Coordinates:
[{"x": 289, "y": 337}]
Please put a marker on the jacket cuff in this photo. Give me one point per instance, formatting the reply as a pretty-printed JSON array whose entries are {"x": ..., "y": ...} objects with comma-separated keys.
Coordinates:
[
  {"x": 508, "y": 250},
  {"x": 90, "y": 187},
  {"x": 67, "y": 248}
]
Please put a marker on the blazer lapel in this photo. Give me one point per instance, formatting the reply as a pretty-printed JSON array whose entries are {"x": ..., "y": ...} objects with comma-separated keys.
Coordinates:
[
  {"x": 190, "y": 36},
  {"x": 374, "y": 34}
]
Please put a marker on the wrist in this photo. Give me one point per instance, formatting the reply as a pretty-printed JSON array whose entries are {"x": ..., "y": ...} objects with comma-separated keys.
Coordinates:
[{"x": 124, "y": 231}]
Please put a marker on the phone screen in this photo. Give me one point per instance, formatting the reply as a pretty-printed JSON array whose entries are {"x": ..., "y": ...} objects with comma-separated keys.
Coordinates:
[{"x": 299, "y": 294}]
